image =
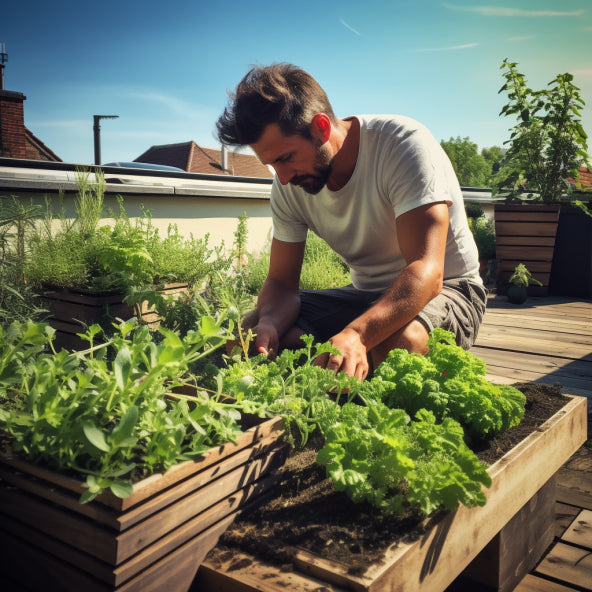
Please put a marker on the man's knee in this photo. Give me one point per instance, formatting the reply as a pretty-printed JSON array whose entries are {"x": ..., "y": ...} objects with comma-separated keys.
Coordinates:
[{"x": 413, "y": 337}]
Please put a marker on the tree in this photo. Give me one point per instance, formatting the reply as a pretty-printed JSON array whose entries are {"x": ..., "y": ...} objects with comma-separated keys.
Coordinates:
[
  {"x": 472, "y": 169},
  {"x": 494, "y": 157}
]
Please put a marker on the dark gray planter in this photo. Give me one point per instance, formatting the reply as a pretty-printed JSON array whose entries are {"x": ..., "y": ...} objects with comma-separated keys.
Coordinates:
[{"x": 571, "y": 272}]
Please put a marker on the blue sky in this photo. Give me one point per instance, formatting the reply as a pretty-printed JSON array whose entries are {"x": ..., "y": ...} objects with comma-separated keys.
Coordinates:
[{"x": 164, "y": 67}]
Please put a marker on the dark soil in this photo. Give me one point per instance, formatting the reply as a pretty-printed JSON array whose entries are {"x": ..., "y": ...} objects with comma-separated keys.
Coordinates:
[{"x": 307, "y": 513}]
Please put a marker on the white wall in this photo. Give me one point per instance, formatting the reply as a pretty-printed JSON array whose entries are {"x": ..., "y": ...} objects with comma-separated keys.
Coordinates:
[{"x": 196, "y": 206}]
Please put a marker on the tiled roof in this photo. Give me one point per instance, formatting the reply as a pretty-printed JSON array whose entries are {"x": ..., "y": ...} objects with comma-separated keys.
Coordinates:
[
  {"x": 192, "y": 158},
  {"x": 585, "y": 178},
  {"x": 35, "y": 149}
]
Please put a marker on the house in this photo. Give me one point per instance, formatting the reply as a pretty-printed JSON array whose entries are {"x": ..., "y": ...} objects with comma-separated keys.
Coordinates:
[
  {"x": 193, "y": 158},
  {"x": 16, "y": 141}
]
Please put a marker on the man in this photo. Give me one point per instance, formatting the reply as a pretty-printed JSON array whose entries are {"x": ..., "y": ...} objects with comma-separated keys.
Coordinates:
[{"x": 382, "y": 193}]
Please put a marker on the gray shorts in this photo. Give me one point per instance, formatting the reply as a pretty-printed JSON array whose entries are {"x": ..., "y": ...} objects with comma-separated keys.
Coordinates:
[{"x": 458, "y": 308}]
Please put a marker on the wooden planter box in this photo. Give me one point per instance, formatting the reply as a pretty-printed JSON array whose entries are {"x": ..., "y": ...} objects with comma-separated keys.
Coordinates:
[
  {"x": 512, "y": 529},
  {"x": 153, "y": 540},
  {"x": 525, "y": 234},
  {"x": 71, "y": 310}
]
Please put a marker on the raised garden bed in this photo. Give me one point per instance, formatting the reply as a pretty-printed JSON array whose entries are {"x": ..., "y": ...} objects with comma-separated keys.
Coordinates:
[
  {"x": 153, "y": 540},
  {"x": 514, "y": 527},
  {"x": 71, "y": 310}
]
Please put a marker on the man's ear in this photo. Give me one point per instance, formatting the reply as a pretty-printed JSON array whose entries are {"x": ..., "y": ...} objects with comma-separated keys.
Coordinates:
[{"x": 321, "y": 127}]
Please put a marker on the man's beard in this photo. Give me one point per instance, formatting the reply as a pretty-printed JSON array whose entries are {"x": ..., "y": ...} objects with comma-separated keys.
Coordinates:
[{"x": 323, "y": 166}]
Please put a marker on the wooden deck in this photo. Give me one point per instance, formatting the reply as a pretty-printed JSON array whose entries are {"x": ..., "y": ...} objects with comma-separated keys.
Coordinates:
[{"x": 549, "y": 340}]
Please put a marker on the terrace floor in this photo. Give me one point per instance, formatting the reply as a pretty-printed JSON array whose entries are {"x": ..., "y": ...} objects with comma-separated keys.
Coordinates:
[{"x": 549, "y": 340}]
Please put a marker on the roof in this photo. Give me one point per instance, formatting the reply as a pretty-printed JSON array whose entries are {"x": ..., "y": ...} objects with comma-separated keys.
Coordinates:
[
  {"x": 192, "y": 158},
  {"x": 35, "y": 149},
  {"x": 585, "y": 177}
]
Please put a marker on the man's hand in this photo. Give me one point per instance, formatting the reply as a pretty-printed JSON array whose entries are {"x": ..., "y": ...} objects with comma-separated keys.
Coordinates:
[
  {"x": 353, "y": 359},
  {"x": 266, "y": 336},
  {"x": 267, "y": 340}
]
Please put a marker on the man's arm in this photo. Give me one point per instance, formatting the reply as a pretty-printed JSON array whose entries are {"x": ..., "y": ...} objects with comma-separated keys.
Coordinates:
[
  {"x": 278, "y": 303},
  {"x": 422, "y": 236}
]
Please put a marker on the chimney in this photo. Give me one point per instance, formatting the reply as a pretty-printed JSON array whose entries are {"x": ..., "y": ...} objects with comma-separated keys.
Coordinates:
[
  {"x": 12, "y": 124},
  {"x": 12, "y": 119},
  {"x": 224, "y": 160}
]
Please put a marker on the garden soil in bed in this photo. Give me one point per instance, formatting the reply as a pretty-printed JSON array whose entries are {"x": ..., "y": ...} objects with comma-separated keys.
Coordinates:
[{"x": 307, "y": 513}]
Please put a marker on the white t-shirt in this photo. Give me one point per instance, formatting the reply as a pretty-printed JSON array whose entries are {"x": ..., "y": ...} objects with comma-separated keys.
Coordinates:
[{"x": 400, "y": 167}]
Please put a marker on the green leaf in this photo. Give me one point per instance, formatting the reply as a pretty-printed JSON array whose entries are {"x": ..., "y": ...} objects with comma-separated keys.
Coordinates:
[
  {"x": 208, "y": 327},
  {"x": 121, "y": 434},
  {"x": 121, "y": 489},
  {"x": 122, "y": 367},
  {"x": 95, "y": 436}
]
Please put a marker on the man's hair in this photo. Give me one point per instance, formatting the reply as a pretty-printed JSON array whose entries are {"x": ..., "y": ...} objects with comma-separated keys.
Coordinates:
[{"x": 280, "y": 93}]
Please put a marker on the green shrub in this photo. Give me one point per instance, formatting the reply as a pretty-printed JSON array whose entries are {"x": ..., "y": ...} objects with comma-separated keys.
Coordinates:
[
  {"x": 322, "y": 267},
  {"x": 484, "y": 234}
]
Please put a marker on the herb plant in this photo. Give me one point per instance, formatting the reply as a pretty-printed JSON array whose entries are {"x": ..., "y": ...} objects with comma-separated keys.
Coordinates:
[
  {"x": 107, "y": 416},
  {"x": 521, "y": 276},
  {"x": 292, "y": 386}
]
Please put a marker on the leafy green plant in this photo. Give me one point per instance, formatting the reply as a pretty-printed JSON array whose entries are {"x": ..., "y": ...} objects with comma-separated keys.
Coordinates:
[
  {"x": 449, "y": 382},
  {"x": 108, "y": 417},
  {"x": 375, "y": 452},
  {"x": 377, "y": 456},
  {"x": 291, "y": 385},
  {"x": 522, "y": 277},
  {"x": 548, "y": 142}
]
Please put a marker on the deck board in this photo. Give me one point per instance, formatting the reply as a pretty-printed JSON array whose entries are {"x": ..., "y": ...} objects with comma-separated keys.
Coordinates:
[{"x": 549, "y": 341}]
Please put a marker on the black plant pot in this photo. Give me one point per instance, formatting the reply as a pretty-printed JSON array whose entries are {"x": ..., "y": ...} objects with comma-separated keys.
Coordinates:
[
  {"x": 517, "y": 294},
  {"x": 571, "y": 273}
]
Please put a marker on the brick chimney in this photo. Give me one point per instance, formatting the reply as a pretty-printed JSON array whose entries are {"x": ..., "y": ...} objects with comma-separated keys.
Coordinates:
[{"x": 12, "y": 125}]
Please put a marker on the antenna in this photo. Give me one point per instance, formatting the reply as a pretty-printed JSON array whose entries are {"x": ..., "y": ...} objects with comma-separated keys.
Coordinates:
[
  {"x": 97, "y": 134},
  {"x": 3, "y": 60}
]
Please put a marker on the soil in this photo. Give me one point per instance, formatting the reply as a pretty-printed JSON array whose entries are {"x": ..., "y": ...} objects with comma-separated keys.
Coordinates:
[{"x": 307, "y": 513}]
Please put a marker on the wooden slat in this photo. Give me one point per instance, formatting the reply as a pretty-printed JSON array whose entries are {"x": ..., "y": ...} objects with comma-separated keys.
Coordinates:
[
  {"x": 568, "y": 564},
  {"x": 538, "y": 345},
  {"x": 525, "y": 228},
  {"x": 580, "y": 531},
  {"x": 532, "y": 583},
  {"x": 510, "y": 335},
  {"x": 575, "y": 488},
  {"x": 544, "y": 241},
  {"x": 254, "y": 577},
  {"x": 538, "y": 322},
  {"x": 524, "y": 253},
  {"x": 564, "y": 516}
]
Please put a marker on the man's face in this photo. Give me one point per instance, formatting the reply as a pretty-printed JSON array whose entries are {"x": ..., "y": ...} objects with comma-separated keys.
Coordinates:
[{"x": 303, "y": 162}]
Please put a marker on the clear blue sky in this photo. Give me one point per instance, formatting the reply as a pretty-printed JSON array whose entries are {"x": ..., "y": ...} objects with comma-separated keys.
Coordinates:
[{"x": 165, "y": 67}]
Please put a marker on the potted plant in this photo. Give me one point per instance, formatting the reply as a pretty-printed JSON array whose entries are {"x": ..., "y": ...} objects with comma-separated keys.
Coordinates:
[
  {"x": 545, "y": 149},
  {"x": 109, "y": 482},
  {"x": 520, "y": 280}
]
